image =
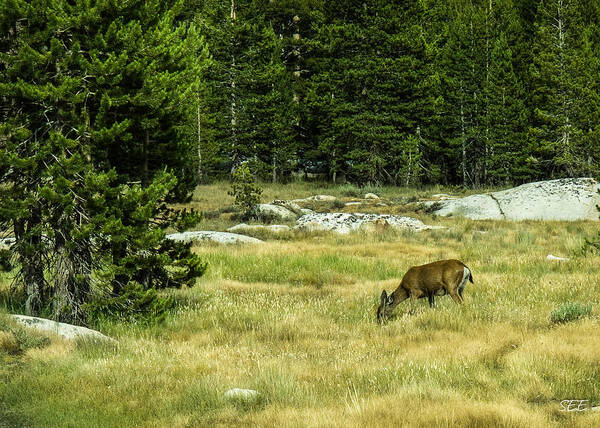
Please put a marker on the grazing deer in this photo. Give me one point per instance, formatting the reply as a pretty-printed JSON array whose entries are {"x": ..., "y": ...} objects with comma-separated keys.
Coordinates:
[{"x": 430, "y": 280}]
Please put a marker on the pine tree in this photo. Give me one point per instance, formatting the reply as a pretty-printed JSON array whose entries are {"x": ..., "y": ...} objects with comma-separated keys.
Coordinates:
[
  {"x": 506, "y": 118},
  {"x": 561, "y": 77},
  {"x": 62, "y": 66}
]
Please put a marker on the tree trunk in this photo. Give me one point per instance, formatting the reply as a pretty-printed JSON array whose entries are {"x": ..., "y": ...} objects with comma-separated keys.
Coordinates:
[
  {"x": 463, "y": 144},
  {"x": 233, "y": 106},
  {"x": 71, "y": 279},
  {"x": 32, "y": 270},
  {"x": 199, "y": 175}
]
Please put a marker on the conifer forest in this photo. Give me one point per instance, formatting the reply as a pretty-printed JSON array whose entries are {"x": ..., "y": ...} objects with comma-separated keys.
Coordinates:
[{"x": 475, "y": 93}]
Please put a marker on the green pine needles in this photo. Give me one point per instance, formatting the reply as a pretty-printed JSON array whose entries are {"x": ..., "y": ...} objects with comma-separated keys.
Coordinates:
[
  {"x": 245, "y": 191},
  {"x": 91, "y": 95}
]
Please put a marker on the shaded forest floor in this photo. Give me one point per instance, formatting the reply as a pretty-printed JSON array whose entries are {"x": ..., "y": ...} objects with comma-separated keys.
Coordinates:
[{"x": 294, "y": 318}]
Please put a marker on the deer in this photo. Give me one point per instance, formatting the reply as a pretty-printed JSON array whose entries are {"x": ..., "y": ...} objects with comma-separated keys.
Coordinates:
[{"x": 430, "y": 280}]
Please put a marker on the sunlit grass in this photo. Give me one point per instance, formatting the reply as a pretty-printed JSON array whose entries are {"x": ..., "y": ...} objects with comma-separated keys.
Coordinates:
[{"x": 295, "y": 320}]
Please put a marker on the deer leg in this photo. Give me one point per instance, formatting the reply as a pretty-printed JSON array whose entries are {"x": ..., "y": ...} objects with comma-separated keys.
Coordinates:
[
  {"x": 456, "y": 297},
  {"x": 431, "y": 298}
]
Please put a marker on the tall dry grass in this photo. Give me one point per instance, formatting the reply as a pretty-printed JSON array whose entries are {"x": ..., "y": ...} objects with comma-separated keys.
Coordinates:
[{"x": 295, "y": 320}]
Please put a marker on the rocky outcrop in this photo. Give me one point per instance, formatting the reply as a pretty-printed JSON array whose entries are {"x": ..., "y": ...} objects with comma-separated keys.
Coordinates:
[
  {"x": 318, "y": 198},
  {"x": 243, "y": 227},
  {"x": 346, "y": 223},
  {"x": 209, "y": 235},
  {"x": 271, "y": 212},
  {"x": 563, "y": 199},
  {"x": 67, "y": 331},
  {"x": 288, "y": 205}
]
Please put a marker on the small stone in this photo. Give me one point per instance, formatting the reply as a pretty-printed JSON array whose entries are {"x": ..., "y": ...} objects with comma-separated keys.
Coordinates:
[
  {"x": 552, "y": 257},
  {"x": 241, "y": 394},
  {"x": 371, "y": 196},
  {"x": 325, "y": 198}
]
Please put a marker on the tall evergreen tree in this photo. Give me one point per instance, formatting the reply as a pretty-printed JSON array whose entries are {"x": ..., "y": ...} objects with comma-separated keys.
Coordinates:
[
  {"x": 561, "y": 77},
  {"x": 505, "y": 118},
  {"x": 63, "y": 74}
]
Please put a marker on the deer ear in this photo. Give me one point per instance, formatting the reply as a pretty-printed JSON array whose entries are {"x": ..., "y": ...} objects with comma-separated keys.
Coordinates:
[{"x": 383, "y": 297}]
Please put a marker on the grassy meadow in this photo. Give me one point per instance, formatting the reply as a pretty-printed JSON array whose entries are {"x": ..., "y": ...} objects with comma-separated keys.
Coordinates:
[{"x": 294, "y": 319}]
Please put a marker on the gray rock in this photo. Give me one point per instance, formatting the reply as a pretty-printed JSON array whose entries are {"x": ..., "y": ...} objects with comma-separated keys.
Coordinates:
[
  {"x": 475, "y": 207},
  {"x": 345, "y": 222},
  {"x": 243, "y": 227},
  {"x": 241, "y": 394},
  {"x": 443, "y": 196},
  {"x": 67, "y": 331},
  {"x": 209, "y": 235},
  {"x": 371, "y": 196},
  {"x": 562, "y": 199},
  {"x": 305, "y": 211},
  {"x": 322, "y": 198},
  {"x": 288, "y": 205},
  {"x": 276, "y": 212}
]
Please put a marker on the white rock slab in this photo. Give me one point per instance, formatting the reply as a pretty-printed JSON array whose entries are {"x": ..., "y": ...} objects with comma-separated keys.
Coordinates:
[
  {"x": 68, "y": 331},
  {"x": 475, "y": 207},
  {"x": 562, "y": 199},
  {"x": 243, "y": 227},
  {"x": 345, "y": 222},
  {"x": 322, "y": 198},
  {"x": 213, "y": 236}
]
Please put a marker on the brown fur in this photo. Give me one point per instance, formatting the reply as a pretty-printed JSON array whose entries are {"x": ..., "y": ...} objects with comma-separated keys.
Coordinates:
[{"x": 430, "y": 280}]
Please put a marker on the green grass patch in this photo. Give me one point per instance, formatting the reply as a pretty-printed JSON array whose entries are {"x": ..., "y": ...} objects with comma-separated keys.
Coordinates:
[{"x": 570, "y": 311}]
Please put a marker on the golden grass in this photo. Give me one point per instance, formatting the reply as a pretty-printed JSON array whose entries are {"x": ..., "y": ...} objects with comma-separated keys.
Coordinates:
[{"x": 295, "y": 320}]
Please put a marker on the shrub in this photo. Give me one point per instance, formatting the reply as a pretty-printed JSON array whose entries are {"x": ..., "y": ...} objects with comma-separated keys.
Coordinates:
[
  {"x": 133, "y": 304},
  {"x": 245, "y": 191},
  {"x": 569, "y": 312},
  {"x": 337, "y": 204},
  {"x": 350, "y": 190}
]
